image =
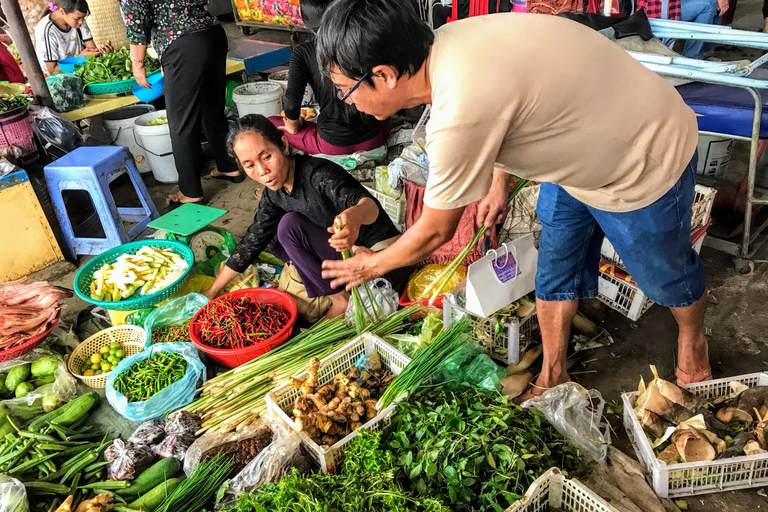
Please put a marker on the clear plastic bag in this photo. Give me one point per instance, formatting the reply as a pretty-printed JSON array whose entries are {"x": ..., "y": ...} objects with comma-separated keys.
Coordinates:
[
  {"x": 13, "y": 495},
  {"x": 66, "y": 91},
  {"x": 55, "y": 131},
  {"x": 44, "y": 398},
  {"x": 249, "y": 278},
  {"x": 173, "y": 397},
  {"x": 149, "y": 433},
  {"x": 173, "y": 312},
  {"x": 127, "y": 459},
  {"x": 424, "y": 277},
  {"x": 411, "y": 165},
  {"x": 211, "y": 440},
  {"x": 175, "y": 446},
  {"x": 383, "y": 295},
  {"x": 484, "y": 373},
  {"x": 383, "y": 183},
  {"x": 577, "y": 413},
  {"x": 183, "y": 423}
]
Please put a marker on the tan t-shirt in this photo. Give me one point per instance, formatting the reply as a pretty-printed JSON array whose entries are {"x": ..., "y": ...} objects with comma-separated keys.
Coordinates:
[{"x": 548, "y": 99}]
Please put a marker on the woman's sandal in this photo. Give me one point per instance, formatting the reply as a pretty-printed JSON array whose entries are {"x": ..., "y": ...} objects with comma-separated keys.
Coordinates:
[
  {"x": 215, "y": 174},
  {"x": 690, "y": 378}
]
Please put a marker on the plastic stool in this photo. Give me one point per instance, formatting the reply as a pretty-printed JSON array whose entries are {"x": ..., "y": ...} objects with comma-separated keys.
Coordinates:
[{"x": 92, "y": 169}]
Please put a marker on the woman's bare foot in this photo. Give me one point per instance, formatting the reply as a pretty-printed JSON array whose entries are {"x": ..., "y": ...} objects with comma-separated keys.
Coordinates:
[
  {"x": 542, "y": 384},
  {"x": 339, "y": 302},
  {"x": 181, "y": 198},
  {"x": 216, "y": 172}
]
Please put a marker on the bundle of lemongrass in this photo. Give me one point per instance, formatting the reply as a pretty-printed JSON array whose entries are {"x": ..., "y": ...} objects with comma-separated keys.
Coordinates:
[
  {"x": 232, "y": 400},
  {"x": 437, "y": 286}
]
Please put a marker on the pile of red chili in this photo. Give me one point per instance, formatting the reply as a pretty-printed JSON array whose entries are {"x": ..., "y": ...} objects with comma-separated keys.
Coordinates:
[{"x": 238, "y": 322}]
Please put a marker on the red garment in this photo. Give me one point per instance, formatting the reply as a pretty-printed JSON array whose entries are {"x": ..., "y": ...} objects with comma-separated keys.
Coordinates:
[
  {"x": 9, "y": 69},
  {"x": 653, "y": 9},
  {"x": 309, "y": 141},
  {"x": 414, "y": 197}
]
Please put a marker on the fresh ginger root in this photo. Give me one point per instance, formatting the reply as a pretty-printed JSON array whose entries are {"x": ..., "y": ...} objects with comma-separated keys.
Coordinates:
[{"x": 312, "y": 367}]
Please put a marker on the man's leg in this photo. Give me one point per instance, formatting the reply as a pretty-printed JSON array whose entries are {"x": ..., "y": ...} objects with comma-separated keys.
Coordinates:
[
  {"x": 555, "y": 323},
  {"x": 692, "y": 348}
]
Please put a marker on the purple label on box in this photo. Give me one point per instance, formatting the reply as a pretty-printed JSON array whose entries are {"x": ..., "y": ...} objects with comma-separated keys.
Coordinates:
[{"x": 506, "y": 268}]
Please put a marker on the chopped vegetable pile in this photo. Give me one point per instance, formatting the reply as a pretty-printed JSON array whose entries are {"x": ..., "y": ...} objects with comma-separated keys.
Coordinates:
[
  {"x": 238, "y": 322},
  {"x": 157, "y": 121},
  {"x": 112, "y": 67},
  {"x": 14, "y": 102},
  {"x": 149, "y": 270},
  {"x": 143, "y": 379}
]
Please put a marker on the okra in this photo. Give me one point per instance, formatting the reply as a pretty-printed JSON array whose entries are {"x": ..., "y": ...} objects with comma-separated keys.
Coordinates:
[
  {"x": 38, "y": 437},
  {"x": 91, "y": 457},
  {"x": 97, "y": 465},
  {"x": 108, "y": 484},
  {"x": 9, "y": 453},
  {"x": 31, "y": 464},
  {"x": 75, "y": 483},
  {"x": 37, "y": 487},
  {"x": 21, "y": 453}
]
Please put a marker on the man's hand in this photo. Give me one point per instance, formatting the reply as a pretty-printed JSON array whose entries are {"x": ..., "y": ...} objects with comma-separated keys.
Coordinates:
[
  {"x": 346, "y": 237},
  {"x": 87, "y": 52},
  {"x": 494, "y": 207},
  {"x": 140, "y": 74},
  {"x": 359, "y": 269},
  {"x": 723, "y": 5},
  {"x": 292, "y": 127}
]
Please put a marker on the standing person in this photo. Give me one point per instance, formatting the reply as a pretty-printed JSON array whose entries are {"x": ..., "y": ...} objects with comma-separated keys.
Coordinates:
[
  {"x": 193, "y": 54},
  {"x": 62, "y": 33},
  {"x": 340, "y": 128},
  {"x": 612, "y": 143}
]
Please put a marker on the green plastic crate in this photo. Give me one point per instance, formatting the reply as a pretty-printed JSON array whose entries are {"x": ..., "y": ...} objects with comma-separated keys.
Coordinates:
[{"x": 113, "y": 87}]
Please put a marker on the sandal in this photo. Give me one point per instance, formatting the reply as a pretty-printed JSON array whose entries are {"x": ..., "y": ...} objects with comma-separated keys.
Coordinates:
[
  {"x": 528, "y": 394},
  {"x": 215, "y": 174},
  {"x": 691, "y": 378}
]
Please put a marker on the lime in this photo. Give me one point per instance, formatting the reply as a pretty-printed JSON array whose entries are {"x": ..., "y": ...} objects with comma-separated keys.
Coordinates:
[
  {"x": 95, "y": 367},
  {"x": 105, "y": 367},
  {"x": 112, "y": 351},
  {"x": 120, "y": 354},
  {"x": 89, "y": 373},
  {"x": 96, "y": 358},
  {"x": 114, "y": 345},
  {"x": 113, "y": 360},
  {"x": 104, "y": 350},
  {"x": 98, "y": 372}
]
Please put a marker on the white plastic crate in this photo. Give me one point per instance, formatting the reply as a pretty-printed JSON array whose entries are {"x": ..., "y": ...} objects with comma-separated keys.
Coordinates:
[
  {"x": 507, "y": 347},
  {"x": 692, "y": 478},
  {"x": 700, "y": 216},
  {"x": 281, "y": 400},
  {"x": 395, "y": 208},
  {"x": 553, "y": 491}
]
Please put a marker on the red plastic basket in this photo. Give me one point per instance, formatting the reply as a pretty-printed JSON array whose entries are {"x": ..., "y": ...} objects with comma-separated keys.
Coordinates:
[
  {"x": 16, "y": 130},
  {"x": 28, "y": 346},
  {"x": 234, "y": 357},
  {"x": 405, "y": 300}
]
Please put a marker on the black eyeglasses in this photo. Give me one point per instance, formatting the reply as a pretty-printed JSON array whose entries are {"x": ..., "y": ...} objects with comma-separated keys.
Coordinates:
[{"x": 343, "y": 96}]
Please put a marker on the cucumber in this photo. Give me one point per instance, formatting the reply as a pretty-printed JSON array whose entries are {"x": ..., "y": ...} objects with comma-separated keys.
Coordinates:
[
  {"x": 150, "y": 478},
  {"x": 151, "y": 500},
  {"x": 67, "y": 414}
]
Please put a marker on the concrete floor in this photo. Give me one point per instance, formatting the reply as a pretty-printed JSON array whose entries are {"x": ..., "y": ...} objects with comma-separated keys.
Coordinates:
[{"x": 737, "y": 326}]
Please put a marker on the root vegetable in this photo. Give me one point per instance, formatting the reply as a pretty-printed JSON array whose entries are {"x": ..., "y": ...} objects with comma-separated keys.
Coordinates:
[
  {"x": 66, "y": 506},
  {"x": 370, "y": 409}
]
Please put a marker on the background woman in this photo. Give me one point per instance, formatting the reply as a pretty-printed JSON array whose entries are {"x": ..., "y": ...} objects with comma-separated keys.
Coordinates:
[
  {"x": 340, "y": 129},
  {"x": 193, "y": 53},
  {"x": 63, "y": 33},
  {"x": 303, "y": 196}
]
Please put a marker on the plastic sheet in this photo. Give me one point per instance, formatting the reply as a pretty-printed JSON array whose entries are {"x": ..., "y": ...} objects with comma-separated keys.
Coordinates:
[
  {"x": 411, "y": 165},
  {"x": 470, "y": 365},
  {"x": 127, "y": 459},
  {"x": 384, "y": 296},
  {"x": 383, "y": 183},
  {"x": 55, "y": 131},
  {"x": 424, "y": 277},
  {"x": 577, "y": 414},
  {"x": 173, "y": 397},
  {"x": 173, "y": 312},
  {"x": 13, "y": 495},
  {"x": 46, "y": 397},
  {"x": 66, "y": 91}
]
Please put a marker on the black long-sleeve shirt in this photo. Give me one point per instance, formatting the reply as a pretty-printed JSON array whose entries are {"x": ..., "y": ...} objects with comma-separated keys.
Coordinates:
[
  {"x": 321, "y": 191},
  {"x": 338, "y": 123}
]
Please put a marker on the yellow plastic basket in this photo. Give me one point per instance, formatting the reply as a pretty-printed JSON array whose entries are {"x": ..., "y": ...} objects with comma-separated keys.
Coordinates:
[{"x": 130, "y": 337}]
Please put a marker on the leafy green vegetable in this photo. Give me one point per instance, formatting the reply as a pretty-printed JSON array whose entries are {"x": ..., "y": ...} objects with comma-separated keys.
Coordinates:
[
  {"x": 473, "y": 449},
  {"x": 14, "y": 102},
  {"x": 112, "y": 67},
  {"x": 66, "y": 91}
]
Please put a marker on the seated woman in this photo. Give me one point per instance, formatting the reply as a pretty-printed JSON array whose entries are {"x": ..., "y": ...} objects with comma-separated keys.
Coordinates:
[
  {"x": 340, "y": 129},
  {"x": 63, "y": 33},
  {"x": 707, "y": 12},
  {"x": 296, "y": 213}
]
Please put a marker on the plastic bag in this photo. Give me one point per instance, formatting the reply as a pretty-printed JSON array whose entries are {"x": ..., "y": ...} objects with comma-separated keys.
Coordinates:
[
  {"x": 174, "y": 446},
  {"x": 411, "y": 165},
  {"x": 211, "y": 440},
  {"x": 450, "y": 371},
  {"x": 249, "y": 278},
  {"x": 182, "y": 423},
  {"x": 577, "y": 414},
  {"x": 175, "y": 396},
  {"x": 149, "y": 433},
  {"x": 13, "y": 495},
  {"x": 66, "y": 91},
  {"x": 382, "y": 293},
  {"x": 410, "y": 345},
  {"x": 484, "y": 373},
  {"x": 44, "y": 398},
  {"x": 350, "y": 162},
  {"x": 127, "y": 459},
  {"x": 173, "y": 312},
  {"x": 180, "y": 428},
  {"x": 383, "y": 183},
  {"x": 422, "y": 278},
  {"x": 55, "y": 131}
]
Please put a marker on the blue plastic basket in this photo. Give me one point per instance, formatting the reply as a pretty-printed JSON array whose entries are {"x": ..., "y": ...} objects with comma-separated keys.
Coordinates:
[
  {"x": 68, "y": 65},
  {"x": 157, "y": 90},
  {"x": 85, "y": 275}
]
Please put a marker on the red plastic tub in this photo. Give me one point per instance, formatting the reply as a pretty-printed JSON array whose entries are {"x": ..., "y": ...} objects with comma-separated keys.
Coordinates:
[
  {"x": 235, "y": 357},
  {"x": 26, "y": 347},
  {"x": 405, "y": 300}
]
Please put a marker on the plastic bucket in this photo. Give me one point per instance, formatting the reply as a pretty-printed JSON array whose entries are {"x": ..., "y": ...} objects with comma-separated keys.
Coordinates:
[
  {"x": 119, "y": 125},
  {"x": 714, "y": 154},
  {"x": 281, "y": 77},
  {"x": 265, "y": 98},
  {"x": 234, "y": 357},
  {"x": 155, "y": 141}
]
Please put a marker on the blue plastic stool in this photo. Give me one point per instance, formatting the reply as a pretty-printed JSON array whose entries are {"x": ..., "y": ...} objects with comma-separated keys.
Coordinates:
[{"x": 92, "y": 169}]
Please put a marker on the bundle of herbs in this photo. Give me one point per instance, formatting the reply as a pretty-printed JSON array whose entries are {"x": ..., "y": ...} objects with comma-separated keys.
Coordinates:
[
  {"x": 472, "y": 449},
  {"x": 367, "y": 482}
]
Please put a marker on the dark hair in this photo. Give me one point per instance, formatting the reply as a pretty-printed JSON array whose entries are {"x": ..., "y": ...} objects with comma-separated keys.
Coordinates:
[
  {"x": 256, "y": 123},
  {"x": 357, "y": 35},
  {"x": 312, "y": 12},
  {"x": 70, "y": 6}
]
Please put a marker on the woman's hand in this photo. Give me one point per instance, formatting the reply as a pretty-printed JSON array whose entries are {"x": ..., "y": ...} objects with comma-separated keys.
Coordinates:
[
  {"x": 723, "y": 5},
  {"x": 345, "y": 239},
  {"x": 140, "y": 74},
  {"x": 106, "y": 47},
  {"x": 359, "y": 269},
  {"x": 292, "y": 127},
  {"x": 211, "y": 293}
]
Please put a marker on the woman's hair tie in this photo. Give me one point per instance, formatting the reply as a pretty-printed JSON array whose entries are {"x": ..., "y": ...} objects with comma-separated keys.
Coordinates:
[{"x": 52, "y": 7}]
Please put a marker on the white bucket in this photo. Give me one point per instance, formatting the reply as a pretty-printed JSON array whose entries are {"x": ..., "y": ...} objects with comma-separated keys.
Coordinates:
[
  {"x": 118, "y": 126},
  {"x": 281, "y": 77},
  {"x": 156, "y": 142},
  {"x": 265, "y": 98},
  {"x": 714, "y": 154}
]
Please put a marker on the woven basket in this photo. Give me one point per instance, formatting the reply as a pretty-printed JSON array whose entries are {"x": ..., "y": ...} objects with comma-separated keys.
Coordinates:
[
  {"x": 106, "y": 23},
  {"x": 130, "y": 337}
]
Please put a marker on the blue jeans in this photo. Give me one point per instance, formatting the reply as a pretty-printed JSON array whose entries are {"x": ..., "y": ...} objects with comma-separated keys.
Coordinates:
[
  {"x": 653, "y": 242},
  {"x": 698, "y": 11}
]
